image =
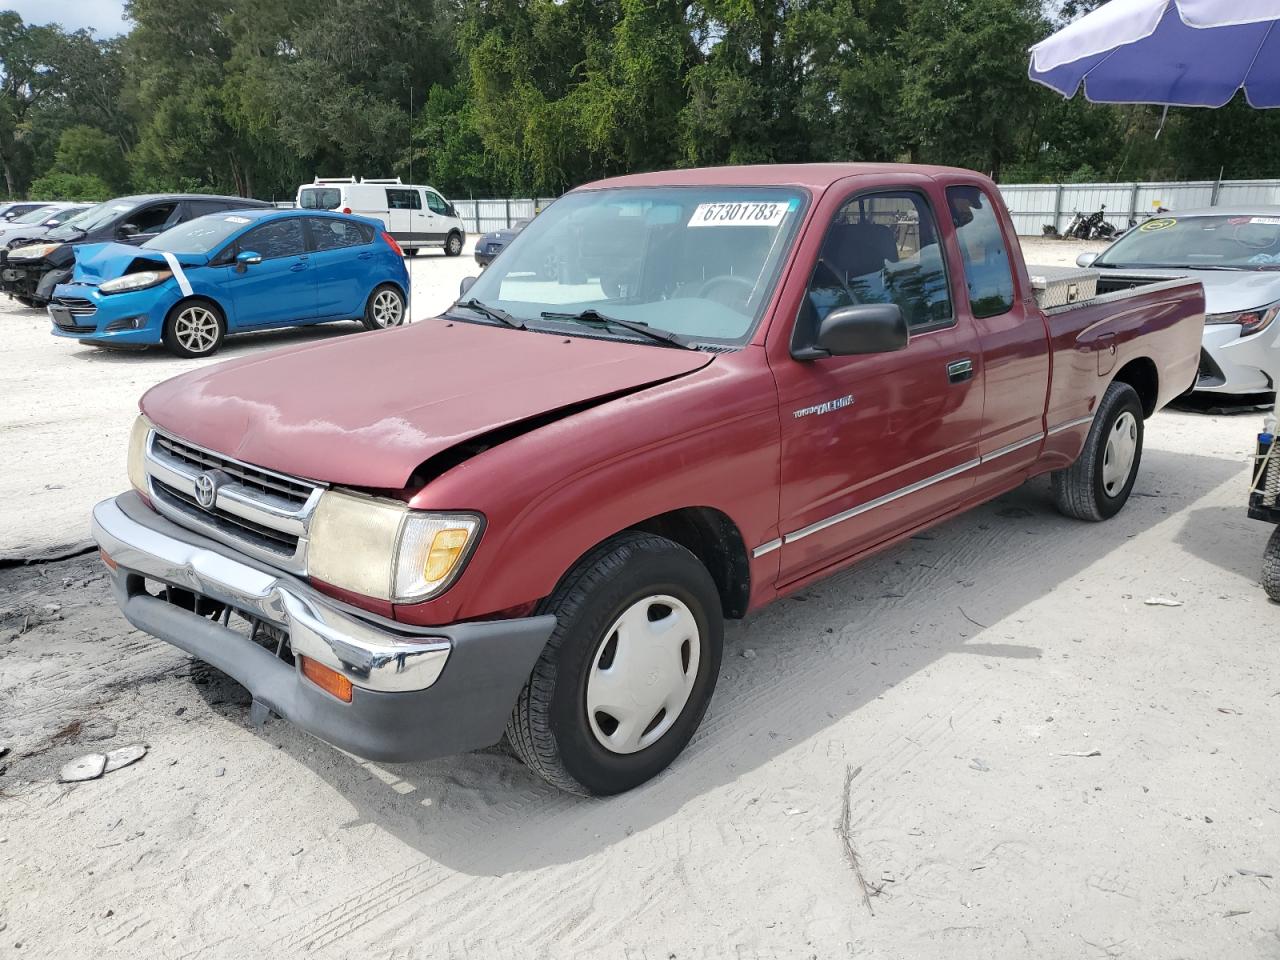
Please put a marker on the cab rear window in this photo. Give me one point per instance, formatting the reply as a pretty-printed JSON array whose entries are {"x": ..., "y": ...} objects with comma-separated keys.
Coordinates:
[{"x": 321, "y": 198}]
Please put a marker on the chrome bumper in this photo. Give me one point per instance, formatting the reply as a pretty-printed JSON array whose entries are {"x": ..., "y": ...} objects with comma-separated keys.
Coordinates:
[
  {"x": 377, "y": 657},
  {"x": 418, "y": 693}
]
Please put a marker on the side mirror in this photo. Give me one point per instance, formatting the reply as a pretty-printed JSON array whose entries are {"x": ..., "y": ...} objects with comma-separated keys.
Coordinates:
[
  {"x": 246, "y": 259},
  {"x": 450, "y": 209},
  {"x": 126, "y": 230},
  {"x": 465, "y": 285},
  {"x": 853, "y": 331},
  {"x": 1086, "y": 259}
]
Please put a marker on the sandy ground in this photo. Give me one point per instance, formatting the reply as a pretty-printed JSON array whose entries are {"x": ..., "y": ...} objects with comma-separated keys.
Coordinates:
[{"x": 980, "y": 744}]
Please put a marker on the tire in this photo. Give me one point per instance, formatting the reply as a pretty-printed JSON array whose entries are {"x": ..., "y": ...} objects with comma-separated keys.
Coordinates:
[
  {"x": 1096, "y": 486},
  {"x": 194, "y": 328},
  {"x": 1271, "y": 566},
  {"x": 454, "y": 244},
  {"x": 384, "y": 308},
  {"x": 643, "y": 579}
]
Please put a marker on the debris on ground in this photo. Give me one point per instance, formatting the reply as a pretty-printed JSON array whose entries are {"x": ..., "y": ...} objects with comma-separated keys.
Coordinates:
[
  {"x": 1162, "y": 602},
  {"x": 123, "y": 756},
  {"x": 978, "y": 765},
  {"x": 1082, "y": 753},
  {"x": 1246, "y": 872},
  {"x": 88, "y": 767},
  {"x": 748, "y": 654}
]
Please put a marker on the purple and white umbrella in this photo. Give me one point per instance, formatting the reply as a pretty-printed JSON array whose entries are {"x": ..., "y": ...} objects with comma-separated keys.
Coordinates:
[{"x": 1180, "y": 53}]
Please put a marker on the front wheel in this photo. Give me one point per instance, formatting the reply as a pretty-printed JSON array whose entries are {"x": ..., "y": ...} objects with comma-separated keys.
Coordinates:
[
  {"x": 193, "y": 329},
  {"x": 1097, "y": 485},
  {"x": 628, "y": 672},
  {"x": 384, "y": 308},
  {"x": 453, "y": 246}
]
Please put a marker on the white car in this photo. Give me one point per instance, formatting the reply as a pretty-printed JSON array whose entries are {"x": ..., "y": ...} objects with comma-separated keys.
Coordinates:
[
  {"x": 417, "y": 216},
  {"x": 1235, "y": 253},
  {"x": 36, "y": 223}
]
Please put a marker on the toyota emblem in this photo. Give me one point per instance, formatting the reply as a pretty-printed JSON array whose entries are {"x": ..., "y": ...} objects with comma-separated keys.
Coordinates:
[{"x": 206, "y": 490}]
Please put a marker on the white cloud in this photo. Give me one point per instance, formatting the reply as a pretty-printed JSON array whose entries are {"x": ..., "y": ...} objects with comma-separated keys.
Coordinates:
[{"x": 104, "y": 16}]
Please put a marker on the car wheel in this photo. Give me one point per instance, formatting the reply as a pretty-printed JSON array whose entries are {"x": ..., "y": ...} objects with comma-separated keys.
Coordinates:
[
  {"x": 1271, "y": 566},
  {"x": 384, "y": 308},
  {"x": 628, "y": 672},
  {"x": 194, "y": 328},
  {"x": 453, "y": 246},
  {"x": 550, "y": 267},
  {"x": 1097, "y": 485}
]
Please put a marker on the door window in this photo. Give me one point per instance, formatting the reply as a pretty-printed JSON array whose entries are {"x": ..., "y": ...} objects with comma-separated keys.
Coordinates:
[
  {"x": 881, "y": 248},
  {"x": 404, "y": 200},
  {"x": 986, "y": 261},
  {"x": 335, "y": 234},
  {"x": 436, "y": 203},
  {"x": 320, "y": 198},
  {"x": 154, "y": 218},
  {"x": 279, "y": 238}
]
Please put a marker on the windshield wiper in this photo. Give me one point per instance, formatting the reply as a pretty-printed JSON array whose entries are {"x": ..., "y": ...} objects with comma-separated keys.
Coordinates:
[
  {"x": 1200, "y": 266},
  {"x": 594, "y": 317},
  {"x": 493, "y": 313}
]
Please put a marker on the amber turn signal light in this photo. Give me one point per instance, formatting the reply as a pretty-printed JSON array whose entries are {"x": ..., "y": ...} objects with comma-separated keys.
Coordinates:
[
  {"x": 328, "y": 680},
  {"x": 106, "y": 558}
]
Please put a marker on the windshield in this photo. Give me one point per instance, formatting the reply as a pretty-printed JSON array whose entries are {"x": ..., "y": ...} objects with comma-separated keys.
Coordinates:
[
  {"x": 201, "y": 235},
  {"x": 697, "y": 261},
  {"x": 1222, "y": 242},
  {"x": 319, "y": 198},
  {"x": 38, "y": 215},
  {"x": 91, "y": 219}
]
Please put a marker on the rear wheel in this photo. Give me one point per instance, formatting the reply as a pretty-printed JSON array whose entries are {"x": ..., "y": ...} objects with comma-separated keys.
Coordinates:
[
  {"x": 194, "y": 328},
  {"x": 453, "y": 245},
  {"x": 628, "y": 672},
  {"x": 1098, "y": 484},
  {"x": 384, "y": 308},
  {"x": 1271, "y": 566}
]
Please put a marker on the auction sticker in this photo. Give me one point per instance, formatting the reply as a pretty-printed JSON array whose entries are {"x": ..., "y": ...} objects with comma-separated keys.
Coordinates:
[
  {"x": 1269, "y": 221},
  {"x": 1159, "y": 224},
  {"x": 236, "y": 219},
  {"x": 740, "y": 213}
]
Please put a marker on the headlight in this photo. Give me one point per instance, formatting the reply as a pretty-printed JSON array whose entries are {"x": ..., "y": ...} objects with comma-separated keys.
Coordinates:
[
  {"x": 135, "y": 281},
  {"x": 138, "y": 453},
  {"x": 382, "y": 549},
  {"x": 35, "y": 251},
  {"x": 1251, "y": 321}
]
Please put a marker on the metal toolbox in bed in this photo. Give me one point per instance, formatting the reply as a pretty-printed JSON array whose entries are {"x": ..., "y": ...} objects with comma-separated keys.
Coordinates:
[{"x": 1059, "y": 286}]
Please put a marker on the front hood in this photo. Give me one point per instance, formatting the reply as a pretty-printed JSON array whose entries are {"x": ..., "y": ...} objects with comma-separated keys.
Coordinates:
[
  {"x": 96, "y": 262},
  {"x": 366, "y": 410},
  {"x": 1225, "y": 291}
]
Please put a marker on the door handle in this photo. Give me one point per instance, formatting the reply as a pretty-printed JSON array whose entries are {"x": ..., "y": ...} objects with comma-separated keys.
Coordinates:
[
  {"x": 958, "y": 371},
  {"x": 299, "y": 266},
  {"x": 366, "y": 256}
]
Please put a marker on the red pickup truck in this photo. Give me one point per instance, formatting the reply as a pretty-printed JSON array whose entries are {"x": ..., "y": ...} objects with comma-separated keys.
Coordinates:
[{"x": 673, "y": 398}]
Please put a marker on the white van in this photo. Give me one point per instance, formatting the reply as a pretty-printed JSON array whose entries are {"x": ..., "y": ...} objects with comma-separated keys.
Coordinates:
[{"x": 417, "y": 216}]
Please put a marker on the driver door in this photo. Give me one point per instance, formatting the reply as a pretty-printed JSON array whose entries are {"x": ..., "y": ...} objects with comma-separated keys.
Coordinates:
[
  {"x": 874, "y": 445},
  {"x": 149, "y": 221}
]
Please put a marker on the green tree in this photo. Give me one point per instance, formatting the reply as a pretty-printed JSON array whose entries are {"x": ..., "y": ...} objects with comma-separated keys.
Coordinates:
[{"x": 71, "y": 186}]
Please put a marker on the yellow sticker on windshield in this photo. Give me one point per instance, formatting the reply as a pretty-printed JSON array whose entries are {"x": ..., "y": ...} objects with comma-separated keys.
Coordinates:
[{"x": 1158, "y": 224}]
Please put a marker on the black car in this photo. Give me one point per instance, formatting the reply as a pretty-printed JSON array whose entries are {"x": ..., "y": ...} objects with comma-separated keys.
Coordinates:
[
  {"x": 490, "y": 244},
  {"x": 30, "y": 272}
]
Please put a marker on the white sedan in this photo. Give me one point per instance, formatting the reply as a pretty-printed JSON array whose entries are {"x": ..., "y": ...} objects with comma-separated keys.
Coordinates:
[{"x": 1235, "y": 253}]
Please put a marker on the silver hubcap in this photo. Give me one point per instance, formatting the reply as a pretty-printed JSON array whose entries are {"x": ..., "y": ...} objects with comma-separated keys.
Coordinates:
[
  {"x": 1117, "y": 461},
  {"x": 642, "y": 674},
  {"x": 196, "y": 329},
  {"x": 388, "y": 310},
  {"x": 455, "y": 245}
]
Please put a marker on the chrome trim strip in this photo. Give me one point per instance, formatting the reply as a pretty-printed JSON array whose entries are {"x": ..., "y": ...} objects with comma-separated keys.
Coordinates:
[
  {"x": 769, "y": 547},
  {"x": 879, "y": 501},
  {"x": 1070, "y": 423},
  {"x": 369, "y": 654},
  {"x": 988, "y": 457},
  {"x": 156, "y": 431}
]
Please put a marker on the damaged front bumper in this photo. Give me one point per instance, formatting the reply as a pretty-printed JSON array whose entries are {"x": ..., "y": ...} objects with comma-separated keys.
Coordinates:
[{"x": 417, "y": 693}]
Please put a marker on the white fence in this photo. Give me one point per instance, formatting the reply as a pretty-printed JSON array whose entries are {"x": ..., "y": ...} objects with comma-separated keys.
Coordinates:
[
  {"x": 1033, "y": 205},
  {"x": 481, "y": 216}
]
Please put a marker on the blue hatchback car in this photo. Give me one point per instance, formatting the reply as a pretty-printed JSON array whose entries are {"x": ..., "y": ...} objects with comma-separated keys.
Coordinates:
[{"x": 231, "y": 273}]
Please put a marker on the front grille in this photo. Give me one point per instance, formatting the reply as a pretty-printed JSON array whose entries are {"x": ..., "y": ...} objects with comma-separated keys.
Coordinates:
[
  {"x": 77, "y": 306},
  {"x": 260, "y": 535},
  {"x": 294, "y": 492},
  {"x": 77, "y": 327}
]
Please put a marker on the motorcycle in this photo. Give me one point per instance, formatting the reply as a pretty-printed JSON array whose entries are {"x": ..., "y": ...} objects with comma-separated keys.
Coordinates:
[{"x": 1093, "y": 226}]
